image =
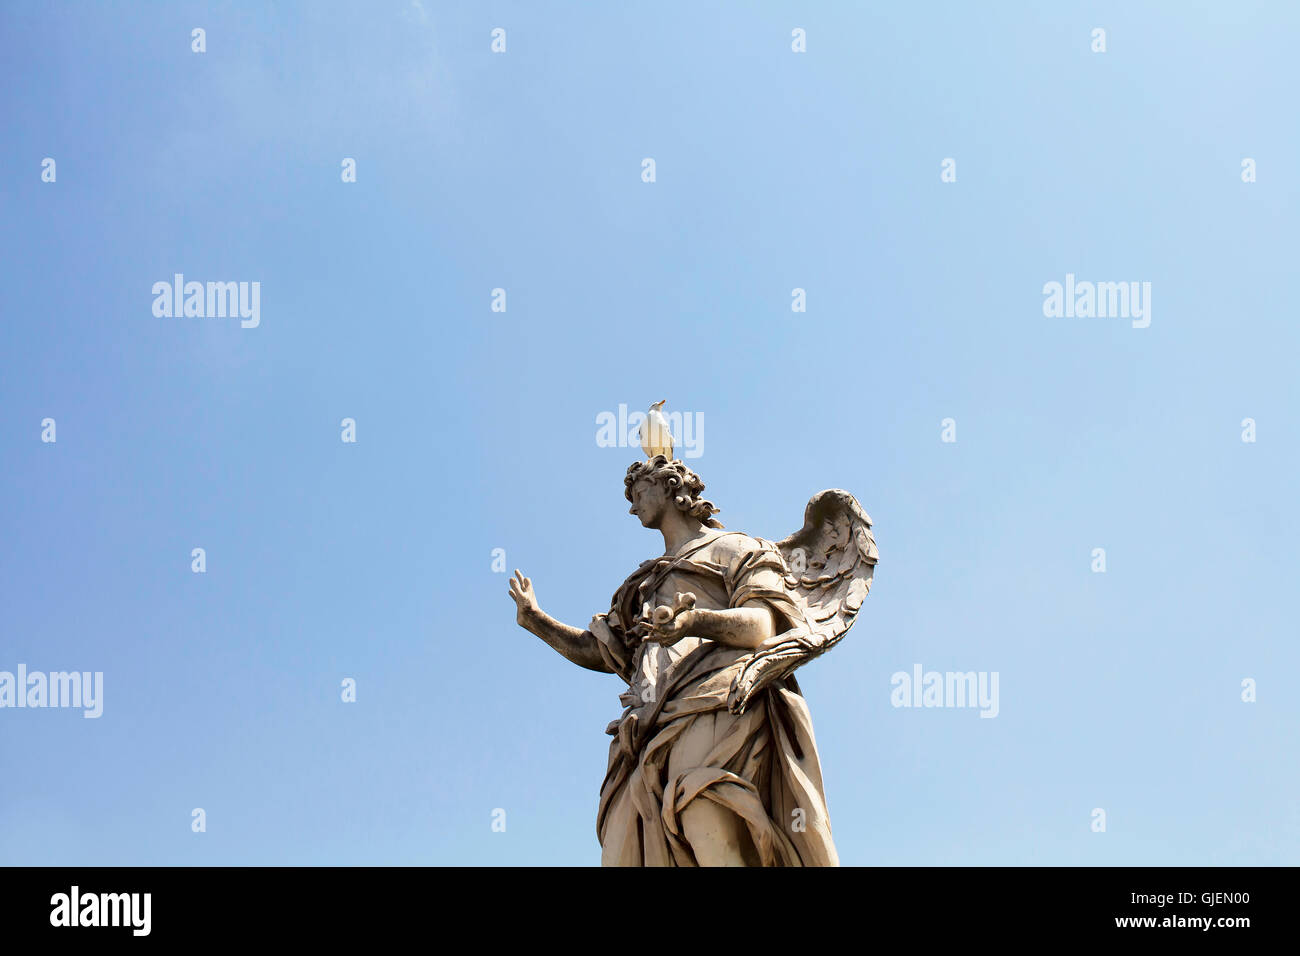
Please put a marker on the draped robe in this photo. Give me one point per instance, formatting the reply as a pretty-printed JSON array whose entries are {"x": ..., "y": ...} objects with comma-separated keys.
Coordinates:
[{"x": 677, "y": 742}]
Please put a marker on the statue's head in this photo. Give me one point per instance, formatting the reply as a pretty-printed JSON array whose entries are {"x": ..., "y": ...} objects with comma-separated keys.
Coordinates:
[{"x": 657, "y": 485}]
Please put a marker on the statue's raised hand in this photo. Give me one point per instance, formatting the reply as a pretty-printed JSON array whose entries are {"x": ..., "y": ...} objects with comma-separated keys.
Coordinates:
[{"x": 521, "y": 592}]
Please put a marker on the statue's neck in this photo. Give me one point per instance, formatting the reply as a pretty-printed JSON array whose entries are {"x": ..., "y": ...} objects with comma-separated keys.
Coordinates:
[{"x": 679, "y": 533}]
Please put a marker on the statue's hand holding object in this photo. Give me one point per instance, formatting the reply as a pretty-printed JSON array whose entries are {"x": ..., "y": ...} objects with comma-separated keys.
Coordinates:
[{"x": 668, "y": 625}]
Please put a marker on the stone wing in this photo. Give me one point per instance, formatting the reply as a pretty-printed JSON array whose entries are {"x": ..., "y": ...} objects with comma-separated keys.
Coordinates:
[{"x": 830, "y": 562}]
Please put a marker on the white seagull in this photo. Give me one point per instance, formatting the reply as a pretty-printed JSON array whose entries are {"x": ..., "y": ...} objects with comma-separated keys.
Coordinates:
[{"x": 656, "y": 439}]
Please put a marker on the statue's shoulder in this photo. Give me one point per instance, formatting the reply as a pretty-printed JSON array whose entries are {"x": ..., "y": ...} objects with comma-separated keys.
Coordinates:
[{"x": 729, "y": 546}]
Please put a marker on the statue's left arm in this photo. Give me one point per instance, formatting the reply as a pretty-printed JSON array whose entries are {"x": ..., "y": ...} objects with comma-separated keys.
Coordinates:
[
  {"x": 746, "y": 628},
  {"x": 760, "y": 607}
]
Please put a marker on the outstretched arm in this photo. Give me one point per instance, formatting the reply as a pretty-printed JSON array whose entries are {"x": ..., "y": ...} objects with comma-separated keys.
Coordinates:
[{"x": 576, "y": 645}]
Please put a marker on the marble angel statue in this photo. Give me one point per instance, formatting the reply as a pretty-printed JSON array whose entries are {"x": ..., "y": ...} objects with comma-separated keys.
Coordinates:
[{"x": 713, "y": 760}]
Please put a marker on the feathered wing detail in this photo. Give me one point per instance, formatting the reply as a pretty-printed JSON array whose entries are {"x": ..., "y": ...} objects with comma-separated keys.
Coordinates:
[{"x": 830, "y": 562}]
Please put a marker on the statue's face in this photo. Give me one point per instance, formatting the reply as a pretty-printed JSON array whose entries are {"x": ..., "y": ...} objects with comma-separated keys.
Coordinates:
[{"x": 650, "y": 501}]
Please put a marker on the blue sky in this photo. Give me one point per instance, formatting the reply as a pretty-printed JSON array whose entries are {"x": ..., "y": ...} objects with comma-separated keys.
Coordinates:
[{"x": 476, "y": 429}]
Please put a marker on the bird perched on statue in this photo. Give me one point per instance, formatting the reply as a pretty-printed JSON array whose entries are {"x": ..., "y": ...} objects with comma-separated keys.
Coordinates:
[{"x": 656, "y": 438}]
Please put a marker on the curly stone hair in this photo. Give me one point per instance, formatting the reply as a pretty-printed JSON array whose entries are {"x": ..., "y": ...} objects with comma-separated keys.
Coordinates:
[{"x": 683, "y": 484}]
